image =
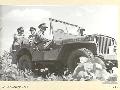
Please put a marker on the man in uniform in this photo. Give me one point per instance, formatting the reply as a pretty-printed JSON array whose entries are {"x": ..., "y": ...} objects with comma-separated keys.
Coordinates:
[
  {"x": 32, "y": 36},
  {"x": 41, "y": 40},
  {"x": 42, "y": 28},
  {"x": 18, "y": 38}
]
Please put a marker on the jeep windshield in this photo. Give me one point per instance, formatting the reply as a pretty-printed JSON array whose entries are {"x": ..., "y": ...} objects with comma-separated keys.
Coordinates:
[{"x": 63, "y": 30}]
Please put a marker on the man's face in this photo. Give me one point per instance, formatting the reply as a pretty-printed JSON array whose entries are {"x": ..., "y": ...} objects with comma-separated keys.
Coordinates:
[
  {"x": 20, "y": 32},
  {"x": 43, "y": 29}
]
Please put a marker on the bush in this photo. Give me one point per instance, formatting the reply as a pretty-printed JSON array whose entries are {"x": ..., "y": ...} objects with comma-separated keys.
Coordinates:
[{"x": 10, "y": 72}]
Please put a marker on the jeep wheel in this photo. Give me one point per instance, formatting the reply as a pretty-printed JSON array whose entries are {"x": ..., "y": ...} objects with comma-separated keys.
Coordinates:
[
  {"x": 73, "y": 59},
  {"x": 25, "y": 63}
]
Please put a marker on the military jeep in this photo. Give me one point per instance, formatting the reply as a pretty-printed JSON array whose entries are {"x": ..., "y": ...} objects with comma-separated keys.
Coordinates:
[{"x": 63, "y": 50}]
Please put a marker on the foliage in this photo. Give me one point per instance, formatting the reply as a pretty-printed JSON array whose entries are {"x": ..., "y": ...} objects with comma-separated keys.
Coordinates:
[{"x": 10, "y": 72}]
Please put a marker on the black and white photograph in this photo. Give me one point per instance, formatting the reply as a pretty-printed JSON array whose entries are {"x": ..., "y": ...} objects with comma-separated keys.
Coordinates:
[{"x": 58, "y": 43}]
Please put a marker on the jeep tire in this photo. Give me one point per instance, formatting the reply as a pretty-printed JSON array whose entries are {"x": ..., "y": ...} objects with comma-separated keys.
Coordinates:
[{"x": 25, "y": 63}]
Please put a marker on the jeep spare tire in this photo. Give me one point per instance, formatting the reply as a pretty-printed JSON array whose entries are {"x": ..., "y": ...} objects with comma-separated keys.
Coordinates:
[{"x": 73, "y": 58}]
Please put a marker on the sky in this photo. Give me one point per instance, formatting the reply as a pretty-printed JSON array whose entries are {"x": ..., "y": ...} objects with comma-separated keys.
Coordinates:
[{"x": 101, "y": 19}]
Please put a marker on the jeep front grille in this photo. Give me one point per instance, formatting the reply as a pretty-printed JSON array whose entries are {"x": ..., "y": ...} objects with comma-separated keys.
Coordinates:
[{"x": 103, "y": 43}]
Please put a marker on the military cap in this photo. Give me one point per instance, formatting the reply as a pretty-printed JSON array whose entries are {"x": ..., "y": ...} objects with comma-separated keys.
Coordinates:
[
  {"x": 32, "y": 29},
  {"x": 42, "y": 25}
]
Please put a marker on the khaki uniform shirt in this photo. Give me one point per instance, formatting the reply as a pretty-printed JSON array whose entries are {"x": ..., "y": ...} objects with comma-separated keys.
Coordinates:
[{"x": 18, "y": 39}]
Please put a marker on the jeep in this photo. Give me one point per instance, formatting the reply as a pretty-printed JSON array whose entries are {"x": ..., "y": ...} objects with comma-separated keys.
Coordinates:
[{"x": 64, "y": 50}]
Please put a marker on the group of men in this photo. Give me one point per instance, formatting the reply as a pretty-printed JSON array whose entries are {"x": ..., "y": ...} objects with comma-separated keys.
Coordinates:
[
  {"x": 38, "y": 37},
  {"x": 34, "y": 38}
]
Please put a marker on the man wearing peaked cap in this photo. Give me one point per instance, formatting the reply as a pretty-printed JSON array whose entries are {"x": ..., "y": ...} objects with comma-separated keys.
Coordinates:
[
  {"x": 42, "y": 27},
  {"x": 42, "y": 39}
]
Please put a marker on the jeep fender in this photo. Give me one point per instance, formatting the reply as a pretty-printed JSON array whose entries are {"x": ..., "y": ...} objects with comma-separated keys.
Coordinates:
[{"x": 68, "y": 48}]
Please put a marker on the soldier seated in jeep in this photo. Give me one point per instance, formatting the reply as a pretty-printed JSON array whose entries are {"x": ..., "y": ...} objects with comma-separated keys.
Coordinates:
[
  {"x": 38, "y": 38},
  {"x": 18, "y": 38},
  {"x": 32, "y": 36}
]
